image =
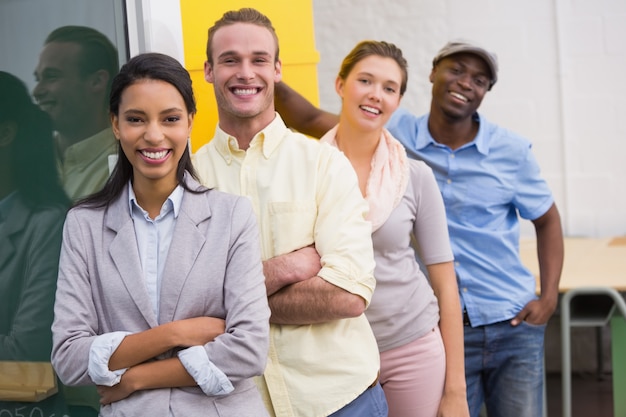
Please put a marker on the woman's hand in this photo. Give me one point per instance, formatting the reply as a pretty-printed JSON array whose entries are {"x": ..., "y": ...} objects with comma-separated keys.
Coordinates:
[
  {"x": 117, "y": 392},
  {"x": 166, "y": 373},
  {"x": 453, "y": 405},
  {"x": 140, "y": 347}
]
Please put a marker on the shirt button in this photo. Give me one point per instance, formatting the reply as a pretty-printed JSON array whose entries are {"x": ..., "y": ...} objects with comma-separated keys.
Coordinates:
[
  {"x": 464, "y": 289},
  {"x": 449, "y": 181}
]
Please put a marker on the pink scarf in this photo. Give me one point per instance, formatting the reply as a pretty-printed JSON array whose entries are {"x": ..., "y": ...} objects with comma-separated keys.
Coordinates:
[{"x": 389, "y": 175}]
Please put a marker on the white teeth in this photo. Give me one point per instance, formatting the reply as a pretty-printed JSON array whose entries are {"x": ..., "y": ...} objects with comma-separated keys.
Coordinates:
[
  {"x": 459, "y": 96},
  {"x": 370, "y": 109},
  {"x": 154, "y": 155},
  {"x": 244, "y": 91}
]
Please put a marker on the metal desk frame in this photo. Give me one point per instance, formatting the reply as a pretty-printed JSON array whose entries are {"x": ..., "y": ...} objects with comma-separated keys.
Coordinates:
[{"x": 592, "y": 318}]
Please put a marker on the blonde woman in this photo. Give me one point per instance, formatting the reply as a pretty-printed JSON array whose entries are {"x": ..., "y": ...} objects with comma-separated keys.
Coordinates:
[{"x": 416, "y": 320}]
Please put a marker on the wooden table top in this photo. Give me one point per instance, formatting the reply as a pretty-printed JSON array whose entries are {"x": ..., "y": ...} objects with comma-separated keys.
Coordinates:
[{"x": 588, "y": 262}]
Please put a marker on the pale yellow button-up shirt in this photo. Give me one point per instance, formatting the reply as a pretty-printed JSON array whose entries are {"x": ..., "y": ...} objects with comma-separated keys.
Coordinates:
[
  {"x": 304, "y": 192},
  {"x": 84, "y": 168}
]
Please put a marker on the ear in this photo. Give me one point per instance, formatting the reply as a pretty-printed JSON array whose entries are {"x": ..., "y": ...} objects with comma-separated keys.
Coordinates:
[
  {"x": 431, "y": 77},
  {"x": 278, "y": 67},
  {"x": 99, "y": 80},
  {"x": 208, "y": 72},
  {"x": 8, "y": 130},
  {"x": 115, "y": 125},
  {"x": 339, "y": 86},
  {"x": 190, "y": 121}
]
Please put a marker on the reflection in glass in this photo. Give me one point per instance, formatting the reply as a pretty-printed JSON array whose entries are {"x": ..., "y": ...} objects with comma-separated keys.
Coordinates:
[
  {"x": 74, "y": 74},
  {"x": 32, "y": 211},
  {"x": 66, "y": 52}
]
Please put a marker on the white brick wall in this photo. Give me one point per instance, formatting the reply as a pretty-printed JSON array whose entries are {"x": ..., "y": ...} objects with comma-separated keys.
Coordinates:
[{"x": 561, "y": 83}]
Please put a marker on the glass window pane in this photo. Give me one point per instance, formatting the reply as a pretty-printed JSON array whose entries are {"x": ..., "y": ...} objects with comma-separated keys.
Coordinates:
[{"x": 56, "y": 146}]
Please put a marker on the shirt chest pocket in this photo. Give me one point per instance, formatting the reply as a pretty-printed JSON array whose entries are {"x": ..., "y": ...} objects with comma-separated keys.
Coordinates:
[
  {"x": 292, "y": 224},
  {"x": 482, "y": 206}
]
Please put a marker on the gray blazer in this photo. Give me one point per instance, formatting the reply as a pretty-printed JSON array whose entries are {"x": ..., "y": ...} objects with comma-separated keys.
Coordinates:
[
  {"x": 213, "y": 269},
  {"x": 30, "y": 242}
]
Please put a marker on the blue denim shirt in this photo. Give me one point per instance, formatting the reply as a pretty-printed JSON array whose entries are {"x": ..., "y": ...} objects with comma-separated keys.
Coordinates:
[{"x": 486, "y": 185}]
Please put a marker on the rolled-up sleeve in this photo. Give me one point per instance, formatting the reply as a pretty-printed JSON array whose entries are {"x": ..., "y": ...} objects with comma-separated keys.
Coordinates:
[
  {"x": 210, "y": 379},
  {"x": 100, "y": 353}
]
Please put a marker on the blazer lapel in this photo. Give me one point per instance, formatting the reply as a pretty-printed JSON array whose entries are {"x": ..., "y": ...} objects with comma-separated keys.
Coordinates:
[
  {"x": 187, "y": 242},
  {"x": 125, "y": 255}
]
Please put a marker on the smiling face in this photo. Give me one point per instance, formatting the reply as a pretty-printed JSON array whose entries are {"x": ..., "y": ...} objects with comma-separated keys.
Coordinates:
[
  {"x": 370, "y": 93},
  {"x": 243, "y": 73},
  {"x": 153, "y": 127},
  {"x": 61, "y": 90},
  {"x": 460, "y": 82}
]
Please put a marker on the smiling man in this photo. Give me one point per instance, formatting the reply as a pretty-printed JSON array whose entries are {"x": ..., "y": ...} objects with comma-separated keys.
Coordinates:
[
  {"x": 315, "y": 241},
  {"x": 74, "y": 74},
  {"x": 488, "y": 178}
]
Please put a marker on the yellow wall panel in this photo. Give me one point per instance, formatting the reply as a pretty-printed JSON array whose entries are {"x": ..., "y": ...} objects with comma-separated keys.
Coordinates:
[{"x": 293, "y": 21}]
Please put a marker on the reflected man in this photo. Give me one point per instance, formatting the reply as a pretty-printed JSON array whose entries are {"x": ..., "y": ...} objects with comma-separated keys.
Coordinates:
[{"x": 74, "y": 74}]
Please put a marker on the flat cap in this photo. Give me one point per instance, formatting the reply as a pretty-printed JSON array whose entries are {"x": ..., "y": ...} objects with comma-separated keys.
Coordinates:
[{"x": 464, "y": 46}]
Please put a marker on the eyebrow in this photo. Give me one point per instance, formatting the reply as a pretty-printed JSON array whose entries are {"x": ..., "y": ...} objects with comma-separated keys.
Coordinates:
[
  {"x": 365, "y": 73},
  {"x": 459, "y": 61},
  {"x": 47, "y": 71},
  {"x": 226, "y": 54},
  {"x": 139, "y": 111}
]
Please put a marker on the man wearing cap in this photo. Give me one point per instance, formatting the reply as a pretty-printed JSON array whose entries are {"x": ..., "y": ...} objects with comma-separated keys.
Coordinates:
[{"x": 488, "y": 177}]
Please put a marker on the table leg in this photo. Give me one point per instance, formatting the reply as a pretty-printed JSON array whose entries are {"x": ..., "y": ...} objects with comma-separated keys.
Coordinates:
[{"x": 618, "y": 351}]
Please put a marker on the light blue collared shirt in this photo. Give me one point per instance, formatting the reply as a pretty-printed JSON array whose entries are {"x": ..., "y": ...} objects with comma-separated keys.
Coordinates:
[
  {"x": 154, "y": 237},
  {"x": 485, "y": 184}
]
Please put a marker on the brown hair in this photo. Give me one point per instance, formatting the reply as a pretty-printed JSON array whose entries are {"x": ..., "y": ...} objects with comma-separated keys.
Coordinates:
[
  {"x": 379, "y": 48},
  {"x": 244, "y": 15},
  {"x": 97, "y": 51}
]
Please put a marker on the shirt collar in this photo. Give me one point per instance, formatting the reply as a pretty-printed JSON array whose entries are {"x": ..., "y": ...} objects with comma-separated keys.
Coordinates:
[
  {"x": 174, "y": 201},
  {"x": 268, "y": 139},
  {"x": 481, "y": 141},
  {"x": 89, "y": 150}
]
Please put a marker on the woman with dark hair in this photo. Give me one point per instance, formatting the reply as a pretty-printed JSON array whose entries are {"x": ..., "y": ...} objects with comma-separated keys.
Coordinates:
[
  {"x": 161, "y": 296},
  {"x": 32, "y": 210}
]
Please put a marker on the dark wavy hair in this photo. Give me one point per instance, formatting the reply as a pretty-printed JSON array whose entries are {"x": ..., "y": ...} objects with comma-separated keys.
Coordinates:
[
  {"x": 33, "y": 165},
  {"x": 146, "y": 66}
]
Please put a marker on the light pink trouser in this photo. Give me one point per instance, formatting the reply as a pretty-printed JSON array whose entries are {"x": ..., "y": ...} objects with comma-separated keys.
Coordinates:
[{"x": 413, "y": 376}]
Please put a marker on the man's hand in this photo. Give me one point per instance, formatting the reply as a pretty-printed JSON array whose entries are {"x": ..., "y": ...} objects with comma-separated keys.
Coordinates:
[
  {"x": 296, "y": 266},
  {"x": 535, "y": 312}
]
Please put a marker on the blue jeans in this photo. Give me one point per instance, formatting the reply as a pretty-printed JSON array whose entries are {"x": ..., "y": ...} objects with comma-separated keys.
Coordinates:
[
  {"x": 371, "y": 403},
  {"x": 504, "y": 369}
]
